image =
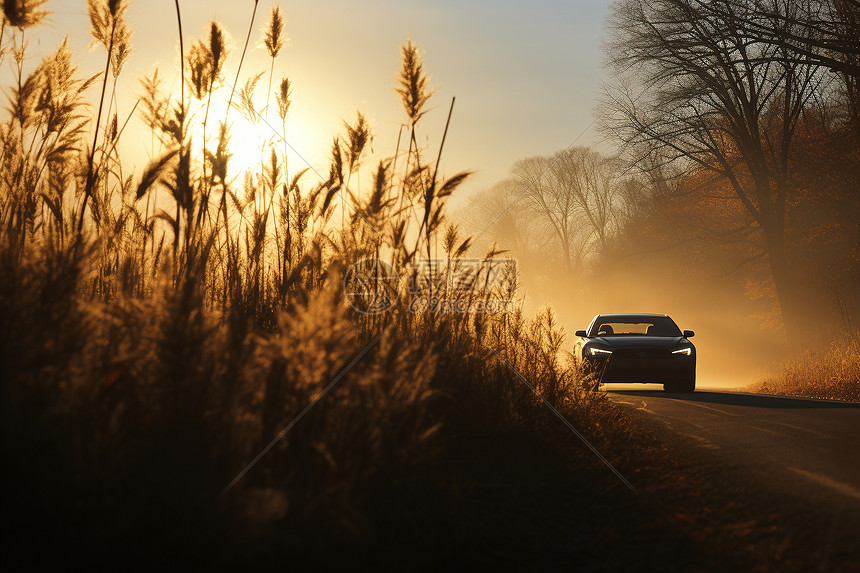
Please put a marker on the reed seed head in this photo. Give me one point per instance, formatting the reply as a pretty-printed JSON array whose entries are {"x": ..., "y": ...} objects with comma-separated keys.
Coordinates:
[
  {"x": 24, "y": 13},
  {"x": 358, "y": 137},
  {"x": 109, "y": 28},
  {"x": 199, "y": 69},
  {"x": 205, "y": 62},
  {"x": 284, "y": 97},
  {"x": 273, "y": 35},
  {"x": 217, "y": 50},
  {"x": 413, "y": 88}
]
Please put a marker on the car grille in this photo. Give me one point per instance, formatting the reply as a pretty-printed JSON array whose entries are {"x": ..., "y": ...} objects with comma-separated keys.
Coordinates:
[{"x": 641, "y": 353}]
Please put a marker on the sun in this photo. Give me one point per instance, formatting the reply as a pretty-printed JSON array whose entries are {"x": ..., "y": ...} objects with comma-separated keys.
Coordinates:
[
  {"x": 245, "y": 146},
  {"x": 251, "y": 143}
]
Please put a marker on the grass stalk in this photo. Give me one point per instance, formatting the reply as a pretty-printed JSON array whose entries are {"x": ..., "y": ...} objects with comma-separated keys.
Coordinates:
[
  {"x": 242, "y": 58},
  {"x": 90, "y": 180}
]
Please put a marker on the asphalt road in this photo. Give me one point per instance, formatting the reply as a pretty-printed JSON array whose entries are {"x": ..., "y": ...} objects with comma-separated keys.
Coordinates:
[{"x": 807, "y": 449}]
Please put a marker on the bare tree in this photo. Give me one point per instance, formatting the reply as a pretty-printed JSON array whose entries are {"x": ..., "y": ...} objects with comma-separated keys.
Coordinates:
[
  {"x": 490, "y": 217},
  {"x": 823, "y": 33},
  {"x": 556, "y": 208},
  {"x": 590, "y": 179},
  {"x": 560, "y": 209},
  {"x": 715, "y": 98}
]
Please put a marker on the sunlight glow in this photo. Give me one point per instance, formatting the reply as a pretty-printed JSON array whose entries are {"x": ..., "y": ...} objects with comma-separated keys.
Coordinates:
[
  {"x": 250, "y": 146},
  {"x": 250, "y": 143}
]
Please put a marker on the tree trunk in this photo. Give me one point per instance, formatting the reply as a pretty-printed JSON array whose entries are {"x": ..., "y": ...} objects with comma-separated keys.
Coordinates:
[{"x": 788, "y": 290}]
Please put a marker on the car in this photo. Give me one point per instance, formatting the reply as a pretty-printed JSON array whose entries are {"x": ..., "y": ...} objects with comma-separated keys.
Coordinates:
[{"x": 644, "y": 348}]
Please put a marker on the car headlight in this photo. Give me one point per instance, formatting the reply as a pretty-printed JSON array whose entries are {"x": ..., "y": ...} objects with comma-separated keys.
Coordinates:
[
  {"x": 683, "y": 351},
  {"x": 599, "y": 352}
]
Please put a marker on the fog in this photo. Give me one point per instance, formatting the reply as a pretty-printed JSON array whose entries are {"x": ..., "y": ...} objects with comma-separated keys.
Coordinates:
[
  {"x": 632, "y": 249},
  {"x": 734, "y": 347}
]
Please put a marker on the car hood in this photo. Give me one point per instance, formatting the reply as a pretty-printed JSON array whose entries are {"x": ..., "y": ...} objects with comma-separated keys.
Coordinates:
[{"x": 639, "y": 341}]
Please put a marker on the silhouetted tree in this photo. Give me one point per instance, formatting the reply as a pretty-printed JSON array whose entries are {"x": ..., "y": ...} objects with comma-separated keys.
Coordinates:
[
  {"x": 558, "y": 209},
  {"x": 696, "y": 87},
  {"x": 592, "y": 181},
  {"x": 823, "y": 33},
  {"x": 554, "y": 209}
]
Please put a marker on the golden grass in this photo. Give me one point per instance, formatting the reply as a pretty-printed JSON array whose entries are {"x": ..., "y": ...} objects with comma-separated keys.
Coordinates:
[
  {"x": 159, "y": 333},
  {"x": 832, "y": 373}
]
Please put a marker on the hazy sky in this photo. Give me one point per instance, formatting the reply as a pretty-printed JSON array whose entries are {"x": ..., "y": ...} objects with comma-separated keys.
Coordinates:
[{"x": 525, "y": 74}]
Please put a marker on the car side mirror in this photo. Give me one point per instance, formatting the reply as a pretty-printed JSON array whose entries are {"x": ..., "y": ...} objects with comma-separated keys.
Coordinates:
[
  {"x": 581, "y": 333},
  {"x": 689, "y": 334}
]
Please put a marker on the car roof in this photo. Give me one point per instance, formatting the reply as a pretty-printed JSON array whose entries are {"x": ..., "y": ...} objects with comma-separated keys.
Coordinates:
[{"x": 627, "y": 315}]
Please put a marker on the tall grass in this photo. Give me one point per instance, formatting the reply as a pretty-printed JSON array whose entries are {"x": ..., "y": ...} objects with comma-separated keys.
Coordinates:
[
  {"x": 831, "y": 373},
  {"x": 158, "y": 333}
]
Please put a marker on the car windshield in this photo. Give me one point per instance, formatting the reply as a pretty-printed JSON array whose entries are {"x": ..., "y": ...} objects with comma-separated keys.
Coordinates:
[{"x": 634, "y": 326}]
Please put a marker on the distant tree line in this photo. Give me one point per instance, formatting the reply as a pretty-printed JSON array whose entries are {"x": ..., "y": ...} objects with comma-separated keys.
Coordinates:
[{"x": 738, "y": 124}]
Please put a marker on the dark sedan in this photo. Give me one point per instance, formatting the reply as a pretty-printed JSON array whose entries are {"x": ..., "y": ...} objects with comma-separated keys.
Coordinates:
[{"x": 644, "y": 348}]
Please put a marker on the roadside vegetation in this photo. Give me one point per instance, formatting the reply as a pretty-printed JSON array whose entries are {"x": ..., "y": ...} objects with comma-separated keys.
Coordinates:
[
  {"x": 189, "y": 366},
  {"x": 831, "y": 373}
]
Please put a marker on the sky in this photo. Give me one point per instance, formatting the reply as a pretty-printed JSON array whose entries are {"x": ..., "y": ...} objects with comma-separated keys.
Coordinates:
[{"x": 525, "y": 74}]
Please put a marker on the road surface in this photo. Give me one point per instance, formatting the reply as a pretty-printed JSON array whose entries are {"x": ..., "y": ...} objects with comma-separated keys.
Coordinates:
[{"x": 802, "y": 447}]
